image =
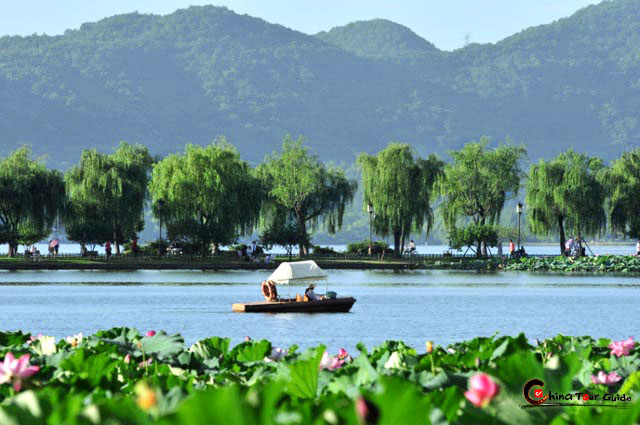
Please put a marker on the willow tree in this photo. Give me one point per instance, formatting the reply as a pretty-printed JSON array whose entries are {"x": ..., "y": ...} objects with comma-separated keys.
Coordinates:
[
  {"x": 623, "y": 185},
  {"x": 209, "y": 195},
  {"x": 31, "y": 197},
  {"x": 477, "y": 183},
  {"x": 566, "y": 194},
  {"x": 110, "y": 189},
  {"x": 83, "y": 224},
  {"x": 400, "y": 189},
  {"x": 297, "y": 183}
]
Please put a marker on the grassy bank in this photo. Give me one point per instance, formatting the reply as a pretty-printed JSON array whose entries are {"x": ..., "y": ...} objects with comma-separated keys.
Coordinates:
[
  {"x": 122, "y": 377},
  {"x": 183, "y": 262},
  {"x": 604, "y": 263}
]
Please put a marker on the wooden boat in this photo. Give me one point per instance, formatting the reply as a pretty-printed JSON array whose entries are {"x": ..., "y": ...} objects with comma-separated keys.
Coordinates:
[
  {"x": 336, "y": 305},
  {"x": 290, "y": 273}
]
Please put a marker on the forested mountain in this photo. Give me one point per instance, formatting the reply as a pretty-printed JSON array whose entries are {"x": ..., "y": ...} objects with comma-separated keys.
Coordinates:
[
  {"x": 205, "y": 71},
  {"x": 378, "y": 38}
]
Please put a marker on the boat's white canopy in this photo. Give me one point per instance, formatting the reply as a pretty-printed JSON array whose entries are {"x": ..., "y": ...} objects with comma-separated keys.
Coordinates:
[{"x": 298, "y": 272}]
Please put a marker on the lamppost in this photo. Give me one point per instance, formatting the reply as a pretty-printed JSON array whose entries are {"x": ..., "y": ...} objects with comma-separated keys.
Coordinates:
[
  {"x": 370, "y": 210},
  {"x": 160, "y": 209},
  {"x": 519, "y": 211}
]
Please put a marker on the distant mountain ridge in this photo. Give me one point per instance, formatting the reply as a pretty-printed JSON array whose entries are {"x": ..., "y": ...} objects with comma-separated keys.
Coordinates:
[
  {"x": 203, "y": 71},
  {"x": 377, "y": 38}
]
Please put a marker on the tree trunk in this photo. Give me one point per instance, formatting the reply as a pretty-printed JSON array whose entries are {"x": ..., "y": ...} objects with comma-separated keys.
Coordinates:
[
  {"x": 13, "y": 249},
  {"x": 562, "y": 236},
  {"x": 396, "y": 243},
  {"x": 115, "y": 241},
  {"x": 302, "y": 230},
  {"x": 482, "y": 246},
  {"x": 579, "y": 246}
]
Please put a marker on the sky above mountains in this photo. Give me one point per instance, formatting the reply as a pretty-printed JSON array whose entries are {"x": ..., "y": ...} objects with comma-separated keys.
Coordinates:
[{"x": 449, "y": 25}]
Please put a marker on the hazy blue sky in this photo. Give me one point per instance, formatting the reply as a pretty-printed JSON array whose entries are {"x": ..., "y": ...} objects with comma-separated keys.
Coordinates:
[{"x": 443, "y": 22}]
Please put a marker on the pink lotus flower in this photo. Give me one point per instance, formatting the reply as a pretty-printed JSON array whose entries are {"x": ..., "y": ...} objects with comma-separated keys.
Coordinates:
[
  {"x": 127, "y": 358},
  {"x": 622, "y": 348},
  {"x": 15, "y": 370},
  {"x": 146, "y": 363},
  {"x": 330, "y": 363},
  {"x": 151, "y": 333},
  {"x": 343, "y": 355},
  {"x": 366, "y": 411},
  {"x": 33, "y": 338},
  {"x": 603, "y": 378},
  {"x": 481, "y": 390},
  {"x": 361, "y": 407}
]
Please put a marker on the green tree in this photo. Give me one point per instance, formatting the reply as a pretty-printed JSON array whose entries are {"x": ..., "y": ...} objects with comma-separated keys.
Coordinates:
[
  {"x": 112, "y": 189},
  {"x": 298, "y": 183},
  {"x": 400, "y": 189},
  {"x": 478, "y": 182},
  {"x": 566, "y": 194},
  {"x": 31, "y": 197},
  {"x": 283, "y": 231},
  {"x": 473, "y": 235},
  {"x": 622, "y": 181},
  {"x": 84, "y": 225},
  {"x": 210, "y": 195}
]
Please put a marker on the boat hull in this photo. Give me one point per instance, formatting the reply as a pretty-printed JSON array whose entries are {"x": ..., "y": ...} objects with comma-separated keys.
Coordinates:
[{"x": 336, "y": 305}]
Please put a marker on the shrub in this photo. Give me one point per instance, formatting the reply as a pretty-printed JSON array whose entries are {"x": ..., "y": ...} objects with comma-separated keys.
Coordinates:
[
  {"x": 378, "y": 247},
  {"x": 323, "y": 250}
]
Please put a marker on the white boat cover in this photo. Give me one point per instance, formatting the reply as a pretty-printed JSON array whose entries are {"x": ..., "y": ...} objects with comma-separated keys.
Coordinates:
[{"x": 298, "y": 272}]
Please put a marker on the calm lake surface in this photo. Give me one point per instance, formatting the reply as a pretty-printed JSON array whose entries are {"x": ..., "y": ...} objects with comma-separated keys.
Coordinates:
[{"x": 412, "y": 306}]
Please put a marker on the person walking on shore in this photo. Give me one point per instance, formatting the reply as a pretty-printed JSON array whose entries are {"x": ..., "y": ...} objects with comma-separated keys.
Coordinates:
[
  {"x": 638, "y": 248},
  {"x": 107, "y": 249},
  {"x": 512, "y": 248}
]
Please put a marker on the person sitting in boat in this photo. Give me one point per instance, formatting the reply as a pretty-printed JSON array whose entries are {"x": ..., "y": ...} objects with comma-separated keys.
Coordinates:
[{"x": 312, "y": 295}]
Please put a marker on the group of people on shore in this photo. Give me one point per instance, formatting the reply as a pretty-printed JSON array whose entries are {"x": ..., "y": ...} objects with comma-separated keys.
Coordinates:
[
  {"x": 513, "y": 252},
  {"x": 252, "y": 253},
  {"x": 573, "y": 247}
]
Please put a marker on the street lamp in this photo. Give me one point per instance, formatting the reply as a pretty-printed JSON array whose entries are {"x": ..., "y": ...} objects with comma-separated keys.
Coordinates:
[
  {"x": 160, "y": 209},
  {"x": 370, "y": 210},
  {"x": 519, "y": 211}
]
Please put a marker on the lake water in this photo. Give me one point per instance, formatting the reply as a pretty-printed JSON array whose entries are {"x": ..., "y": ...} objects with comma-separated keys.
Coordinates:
[{"x": 412, "y": 306}]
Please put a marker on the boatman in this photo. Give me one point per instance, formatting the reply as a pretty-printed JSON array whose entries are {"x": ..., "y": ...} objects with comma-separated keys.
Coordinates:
[{"x": 312, "y": 295}]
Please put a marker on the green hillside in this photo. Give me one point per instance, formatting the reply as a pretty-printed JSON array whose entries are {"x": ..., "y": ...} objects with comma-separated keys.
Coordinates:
[
  {"x": 204, "y": 71},
  {"x": 378, "y": 38}
]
